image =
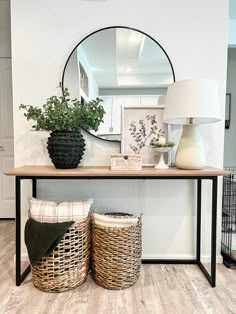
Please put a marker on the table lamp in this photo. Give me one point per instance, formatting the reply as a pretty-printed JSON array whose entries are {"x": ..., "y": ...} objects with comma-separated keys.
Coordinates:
[{"x": 190, "y": 103}]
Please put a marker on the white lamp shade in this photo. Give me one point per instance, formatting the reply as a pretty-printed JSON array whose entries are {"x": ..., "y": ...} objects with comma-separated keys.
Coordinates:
[{"x": 196, "y": 99}]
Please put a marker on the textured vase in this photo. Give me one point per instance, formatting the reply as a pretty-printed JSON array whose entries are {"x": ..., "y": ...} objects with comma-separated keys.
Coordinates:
[{"x": 66, "y": 148}]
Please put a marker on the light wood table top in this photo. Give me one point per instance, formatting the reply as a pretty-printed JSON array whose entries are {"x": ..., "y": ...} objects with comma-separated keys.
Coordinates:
[{"x": 95, "y": 171}]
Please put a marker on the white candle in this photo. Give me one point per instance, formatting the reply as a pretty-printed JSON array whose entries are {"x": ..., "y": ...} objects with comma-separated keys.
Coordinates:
[{"x": 162, "y": 140}]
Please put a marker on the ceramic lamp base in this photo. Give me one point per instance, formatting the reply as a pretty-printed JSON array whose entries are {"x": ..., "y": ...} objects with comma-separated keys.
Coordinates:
[{"x": 190, "y": 153}]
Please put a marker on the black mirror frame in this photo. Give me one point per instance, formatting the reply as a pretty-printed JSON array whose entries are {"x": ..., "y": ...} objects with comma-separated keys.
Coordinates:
[{"x": 102, "y": 29}]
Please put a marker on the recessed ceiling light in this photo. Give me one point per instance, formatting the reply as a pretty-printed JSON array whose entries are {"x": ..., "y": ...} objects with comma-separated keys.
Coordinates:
[{"x": 128, "y": 70}]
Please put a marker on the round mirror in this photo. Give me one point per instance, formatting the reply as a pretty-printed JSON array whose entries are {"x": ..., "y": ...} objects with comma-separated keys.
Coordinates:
[{"x": 122, "y": 66}]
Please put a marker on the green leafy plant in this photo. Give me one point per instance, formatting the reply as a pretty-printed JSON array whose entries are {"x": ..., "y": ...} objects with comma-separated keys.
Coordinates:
[
  {"x": 158, "y": 145},
  {"x": 62, "y": 113}
]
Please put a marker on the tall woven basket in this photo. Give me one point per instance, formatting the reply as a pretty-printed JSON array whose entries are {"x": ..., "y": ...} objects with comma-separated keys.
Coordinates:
[
  {"x": 116, "y": 255},
  {"x": 67, "y": 266}
]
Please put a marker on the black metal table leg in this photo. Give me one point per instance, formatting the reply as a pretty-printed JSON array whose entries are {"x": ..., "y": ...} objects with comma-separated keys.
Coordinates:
[
  {"x": 19, "y": 277},
  {"x": 212, "y": 276},
  {"x": 199, "y": 208},
  {"x": 18, "y": 232},
  {"x": 213, "y": 231},
  {"x": 34, "y": 187}
]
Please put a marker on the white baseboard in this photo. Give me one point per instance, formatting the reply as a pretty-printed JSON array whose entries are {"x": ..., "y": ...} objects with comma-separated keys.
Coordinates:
[{"x": 204, "y": 258}]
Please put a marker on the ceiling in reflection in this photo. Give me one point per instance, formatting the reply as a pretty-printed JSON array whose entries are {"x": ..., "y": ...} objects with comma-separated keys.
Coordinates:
[{"x": 124, "y": 58}]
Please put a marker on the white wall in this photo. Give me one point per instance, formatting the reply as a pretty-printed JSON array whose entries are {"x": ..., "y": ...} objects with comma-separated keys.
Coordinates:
[
  {"x": 193, "y": 33},
  {"x": 232, "y": 33}
]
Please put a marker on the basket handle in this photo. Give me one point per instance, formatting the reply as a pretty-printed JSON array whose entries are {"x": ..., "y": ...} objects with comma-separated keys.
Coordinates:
[{"x": 140, "y": 217}]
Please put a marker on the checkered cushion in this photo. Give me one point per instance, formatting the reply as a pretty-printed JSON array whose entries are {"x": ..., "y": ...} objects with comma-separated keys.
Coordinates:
[{"x": 49, "y": 211}]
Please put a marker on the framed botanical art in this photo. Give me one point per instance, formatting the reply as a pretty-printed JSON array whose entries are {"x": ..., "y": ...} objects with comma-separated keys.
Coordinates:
[{"x": 140, "y": 126}]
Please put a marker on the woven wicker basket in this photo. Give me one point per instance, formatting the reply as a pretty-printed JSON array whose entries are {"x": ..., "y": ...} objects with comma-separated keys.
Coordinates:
[
  {"x": 116, "y": 255},
  {"x": 67, "y": 266}
]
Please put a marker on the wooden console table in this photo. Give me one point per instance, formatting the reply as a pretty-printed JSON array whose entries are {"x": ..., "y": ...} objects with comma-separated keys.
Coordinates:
[{"x": 35, "y": 173}]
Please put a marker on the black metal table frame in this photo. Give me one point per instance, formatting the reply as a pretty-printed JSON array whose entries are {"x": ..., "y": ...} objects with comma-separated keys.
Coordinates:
[{"x": 211, "y": 277}]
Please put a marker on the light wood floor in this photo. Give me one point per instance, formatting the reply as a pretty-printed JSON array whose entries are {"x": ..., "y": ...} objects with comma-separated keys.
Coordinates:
[{"x": 160, "y": 289}]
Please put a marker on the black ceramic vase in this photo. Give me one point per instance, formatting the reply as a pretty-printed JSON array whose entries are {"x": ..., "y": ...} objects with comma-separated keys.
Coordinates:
[{"x": 66, "y": 148}]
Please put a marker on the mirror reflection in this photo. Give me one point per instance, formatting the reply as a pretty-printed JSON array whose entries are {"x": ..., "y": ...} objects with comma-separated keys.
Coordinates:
[{"x": 123, "y": 67}]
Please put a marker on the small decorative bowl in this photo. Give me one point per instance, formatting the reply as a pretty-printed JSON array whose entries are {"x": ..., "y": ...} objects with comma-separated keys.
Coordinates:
[{"x": 161, "y": 164}]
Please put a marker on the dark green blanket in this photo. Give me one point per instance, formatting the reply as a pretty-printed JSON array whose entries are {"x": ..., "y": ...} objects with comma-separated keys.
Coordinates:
[{"x": 41, "y": 238}]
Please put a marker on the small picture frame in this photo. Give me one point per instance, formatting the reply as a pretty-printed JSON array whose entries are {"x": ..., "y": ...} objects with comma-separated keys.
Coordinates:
[
  {"x": 140, "y": 125},
  {"x": 227, "y": 110}
]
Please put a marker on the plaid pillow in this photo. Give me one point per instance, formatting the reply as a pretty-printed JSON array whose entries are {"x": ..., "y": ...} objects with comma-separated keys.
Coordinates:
[{"x": 49, "y": 211}]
